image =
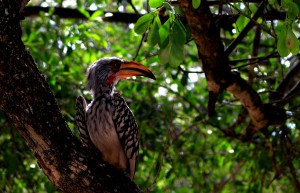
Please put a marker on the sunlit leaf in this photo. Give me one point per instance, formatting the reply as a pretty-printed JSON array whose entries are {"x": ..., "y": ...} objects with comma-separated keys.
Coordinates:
[
  {"x": 96, "y": 14},
  {"x": 155, "y": 3},
  {"x": 51, "y": 10},
  {"x": 241, "y": 22},
  {"x": 84, "y": 12},
  {"x": 143, "y": 23}
]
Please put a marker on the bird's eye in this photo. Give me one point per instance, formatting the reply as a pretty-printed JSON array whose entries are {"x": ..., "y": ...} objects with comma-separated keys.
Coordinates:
[{"x": 115, "y": 66}]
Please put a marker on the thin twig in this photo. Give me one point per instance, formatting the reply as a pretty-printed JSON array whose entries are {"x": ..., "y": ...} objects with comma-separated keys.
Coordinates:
[
  {"x": 255, "y": 60},
  {"x": 247, "y": 28},
  {"x": 256, "y": 42},
  {"x": 139, "y": 47},
  {"x": 133, "y": 7},
  {"x": 255, "y": 22},
  {"x": 273, "y": 54},
  {"x": 189, "y": 72}
]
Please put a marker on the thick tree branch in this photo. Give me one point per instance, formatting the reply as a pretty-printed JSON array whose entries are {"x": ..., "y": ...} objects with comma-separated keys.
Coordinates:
[
  {"x": 33, "y": 11},
  {"x": 216, "y": 68},
  {"x": 224, "y": 21},
  {"x": 27, "y": 100}
]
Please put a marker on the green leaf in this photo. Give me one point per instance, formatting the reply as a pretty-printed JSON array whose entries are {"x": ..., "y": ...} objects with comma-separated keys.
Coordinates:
[
  {"x": 164, "y": 54},
  {"x": 173, "y": 52},
  {"x": 167, "y": 6},
  {"x": 298, "y": 3},
  {"x": 51, "y": 10},
  {"x": 241, "y": 22},
  {"x": 155, "y": 3},
  {"x": 177, "y": 54},
  {"x": 79, "y": 3},
  {"x": 143, "y": 23},
  {"x": 92, "y": 35},
  {"x": 184, "y": 80},
  {"x": 153, "y": 36},
  {"x": 164, "y": 32},
  {"x": 273, "y": 2},
  {"x": 178, "y": 33},
  {"x": 96, "y": 14},
  {"x": 292, "y": 42},
  {"x": 84, "y": 12},
  {"x": 293, "y": 9},
  {"x": 281, "y": 44},
  {"x": 196, "y": 3}
]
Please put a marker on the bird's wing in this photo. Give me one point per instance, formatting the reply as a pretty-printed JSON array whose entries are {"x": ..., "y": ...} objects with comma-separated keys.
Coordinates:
[
  {"x": 127, "y": 131},
  {"x": 81, "y": 121}
]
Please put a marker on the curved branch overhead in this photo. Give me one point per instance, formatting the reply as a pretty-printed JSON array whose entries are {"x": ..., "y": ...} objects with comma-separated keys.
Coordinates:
[{"x": 224, "y": 21}]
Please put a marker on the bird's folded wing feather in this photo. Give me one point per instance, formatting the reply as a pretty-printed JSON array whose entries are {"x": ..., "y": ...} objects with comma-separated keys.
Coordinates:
[
  {"x": 81, "y": 121},
  {"x": 126, "y": 129}
]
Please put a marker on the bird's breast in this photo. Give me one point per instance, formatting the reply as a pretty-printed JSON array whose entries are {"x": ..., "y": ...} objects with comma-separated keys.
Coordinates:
[{"x": 103, "y": 133}]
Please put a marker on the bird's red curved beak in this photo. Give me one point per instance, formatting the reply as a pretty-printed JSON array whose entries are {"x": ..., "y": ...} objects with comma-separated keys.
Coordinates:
[{"x": 132, "y": 68}]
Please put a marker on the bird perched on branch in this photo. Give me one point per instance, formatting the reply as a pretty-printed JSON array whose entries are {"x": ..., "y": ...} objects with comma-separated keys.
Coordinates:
[{"x": 107, "y": 123}]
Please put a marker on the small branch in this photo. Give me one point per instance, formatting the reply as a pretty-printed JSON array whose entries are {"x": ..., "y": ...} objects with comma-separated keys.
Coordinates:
[
  {"x": 189, "y": 72},
  {"x": 264, "y": 16},
  {"x": 133, "y": 7},
  {"x": 140, "y": 46},
  {"x": 247, "y": 28},
  {"x": 253, "y": 60},
  {"x": 33, "y": 11},
  {"x": 293, "y": 72},
  {"x": 251, "y": 74},
  {"x": 294, "y": 92}
]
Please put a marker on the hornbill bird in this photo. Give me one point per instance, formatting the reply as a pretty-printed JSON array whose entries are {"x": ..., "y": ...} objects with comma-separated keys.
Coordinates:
[{"x": 107, "y": 123}]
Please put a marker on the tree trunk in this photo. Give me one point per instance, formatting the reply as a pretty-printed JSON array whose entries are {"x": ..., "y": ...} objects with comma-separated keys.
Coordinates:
[{"x": 27, "y": 100}]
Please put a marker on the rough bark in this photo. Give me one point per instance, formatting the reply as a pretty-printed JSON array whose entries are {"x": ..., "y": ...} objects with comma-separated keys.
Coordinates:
[
  {"x": 27, "y": 100},
  {"x": 216, "y": 67}
]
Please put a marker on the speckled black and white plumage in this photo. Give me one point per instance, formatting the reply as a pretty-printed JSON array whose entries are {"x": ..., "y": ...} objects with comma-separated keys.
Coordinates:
[{"x": 110, "y": 124}]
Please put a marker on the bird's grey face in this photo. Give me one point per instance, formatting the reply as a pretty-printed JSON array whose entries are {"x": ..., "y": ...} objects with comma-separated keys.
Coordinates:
[
  {"x": 101, "y": 70},
  {"x": 105, "y": 73}
]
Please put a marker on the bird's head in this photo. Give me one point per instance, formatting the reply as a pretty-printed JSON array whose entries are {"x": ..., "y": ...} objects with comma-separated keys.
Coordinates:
[{"x": 105, "y": 73}]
